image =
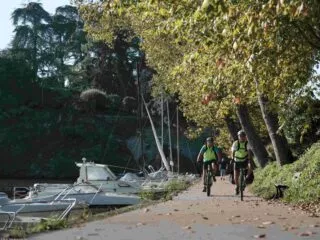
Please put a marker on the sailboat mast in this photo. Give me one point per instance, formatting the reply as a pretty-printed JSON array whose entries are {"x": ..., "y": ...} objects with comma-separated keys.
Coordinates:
[
  {"x": 162, "y": 120},
  {"x": 178, "y": 148},
  {"x": 140, "y": 109},
  {"x": 163, "y": 157},
  {"x": 162, "y": 126},
  {"x": 169, "y": 132}
]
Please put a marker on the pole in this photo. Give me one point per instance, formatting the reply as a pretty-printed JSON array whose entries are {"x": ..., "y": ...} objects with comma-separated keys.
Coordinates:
[
  {"x": 162, "y": 119},
  {"x": 140, "y": 114},
  {"x": 163, "y": 157},
  {"x": 178, "y": 148},
  {"x": 162, "y": 126},
  {"x": 169, "y": 132}
]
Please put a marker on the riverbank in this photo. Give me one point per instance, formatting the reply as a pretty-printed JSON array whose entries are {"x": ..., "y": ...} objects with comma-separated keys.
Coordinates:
[{"x": 193, "y": 215}]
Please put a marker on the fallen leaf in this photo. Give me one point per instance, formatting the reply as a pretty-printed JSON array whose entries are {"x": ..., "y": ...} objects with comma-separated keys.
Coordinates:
[
  {"x": 314, "y": 226},
  {"x": 293, "y": 228},
  {"x": 93, "y": 234},
  {"x": 187, "y": 227},
  {"x": 304, "y": 234},
  {"x": 140, "y": 224},
  {"x": 261, "y": 226},
  {"x": 260, "y": 236},
  {"x": 80, "y": 238},
  {"x": 268, "y": 223}
]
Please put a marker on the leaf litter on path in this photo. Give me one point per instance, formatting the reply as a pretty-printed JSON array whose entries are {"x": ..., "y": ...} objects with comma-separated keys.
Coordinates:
[{"x": 258, "y": 236}]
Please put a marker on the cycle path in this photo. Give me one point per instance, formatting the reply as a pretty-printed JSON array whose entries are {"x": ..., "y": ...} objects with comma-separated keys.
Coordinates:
[{"x": 193, "y": 215}]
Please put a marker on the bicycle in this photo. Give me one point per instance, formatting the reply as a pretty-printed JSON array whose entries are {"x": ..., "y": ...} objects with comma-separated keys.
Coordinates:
[
  {"x": 208, "y": 176},
  {"x": 242, "y": 183}
]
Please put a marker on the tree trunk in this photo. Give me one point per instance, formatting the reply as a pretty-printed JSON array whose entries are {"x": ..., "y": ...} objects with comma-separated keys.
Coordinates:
[
  {"x": 232, "y": 127},
  {"x": 279, "y": 142},
  {"x": 255, "y": 142}
]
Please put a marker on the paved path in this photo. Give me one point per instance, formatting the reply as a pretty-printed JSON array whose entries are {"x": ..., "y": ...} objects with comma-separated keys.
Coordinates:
[{"x": 193, "y": 215}]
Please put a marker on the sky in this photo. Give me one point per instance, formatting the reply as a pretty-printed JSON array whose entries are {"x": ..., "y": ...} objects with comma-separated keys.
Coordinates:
[{"x": 8, "y": 6}]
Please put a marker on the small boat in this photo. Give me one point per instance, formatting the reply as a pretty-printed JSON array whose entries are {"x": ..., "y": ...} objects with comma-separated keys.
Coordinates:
[
  {"x": 83, "y": 193},
  {"x": 58, "y": 207}
]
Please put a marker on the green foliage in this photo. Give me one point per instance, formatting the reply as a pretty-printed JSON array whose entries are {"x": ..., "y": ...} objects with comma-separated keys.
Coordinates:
[
  {"x": 17, "y": 233},
  {"x": 61, "y": 165},
  {"x": 270, "y": 151},
  {"x": 305, "y": 188},
  {"x": 176, "y": 186},
  {"x": 95, "y": 98},
  {"x": 129, "y": 104},
  {"x": 173, "y": 187},
  {"x": 49, "y": 225},
  {"x": 210, "y": 53},
  {"x": 80, "y": 131},
  {"x": 150, "y": 195},
  {"x": 301, "y": 119},
  {"x": 113, "y": 101}
]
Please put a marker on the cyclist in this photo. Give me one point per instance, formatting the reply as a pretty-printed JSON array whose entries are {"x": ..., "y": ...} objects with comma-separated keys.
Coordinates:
[
  {"x": 241, "y": 156},
  {"x": 210, "y": 155}
]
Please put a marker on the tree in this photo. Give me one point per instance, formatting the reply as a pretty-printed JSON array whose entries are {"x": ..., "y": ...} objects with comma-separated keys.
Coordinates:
[
  {"x": 32, "y": 33},
  {"x": 245, "y": 50},
  {"x": 67, "y": 42}
]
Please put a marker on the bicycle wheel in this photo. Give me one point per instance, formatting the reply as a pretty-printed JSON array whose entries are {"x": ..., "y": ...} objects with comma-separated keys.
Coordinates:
[
  {"x": 241, "y": 183},
  {"x": 209, "y": 182}
]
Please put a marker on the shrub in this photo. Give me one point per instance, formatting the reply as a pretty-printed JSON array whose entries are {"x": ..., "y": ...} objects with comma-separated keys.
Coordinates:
[
  {"x": 95, "y": 99},
  {"x": 270, "y": 151},
  {"x": 306, "y": 188},
  {"x": 113, "y": 101},
  {"x": 129, "y": 104}
]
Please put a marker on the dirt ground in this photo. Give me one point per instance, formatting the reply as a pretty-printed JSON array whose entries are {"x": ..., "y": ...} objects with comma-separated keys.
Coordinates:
[{"x": 193, "y": 215}]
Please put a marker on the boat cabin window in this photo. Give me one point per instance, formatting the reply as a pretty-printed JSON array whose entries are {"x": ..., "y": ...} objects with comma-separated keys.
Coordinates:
[{"x": 98, "y": 173}]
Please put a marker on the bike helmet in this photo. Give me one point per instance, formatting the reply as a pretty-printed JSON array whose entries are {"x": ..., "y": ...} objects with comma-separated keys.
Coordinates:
[
  {"x": 241, "y": 133},
  {"x": 210, "y": 139}
]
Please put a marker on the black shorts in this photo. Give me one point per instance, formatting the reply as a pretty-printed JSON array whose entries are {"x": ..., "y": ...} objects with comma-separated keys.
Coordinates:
[
  {"x": 205, "y": 164},
  {"x": 242, "y": 164}
]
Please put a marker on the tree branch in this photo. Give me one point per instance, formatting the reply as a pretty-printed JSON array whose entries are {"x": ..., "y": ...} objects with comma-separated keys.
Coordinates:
[{"x": 311, "y": 43}]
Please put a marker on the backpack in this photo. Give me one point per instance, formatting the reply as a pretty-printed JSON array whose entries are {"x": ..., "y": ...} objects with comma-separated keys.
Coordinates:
[
  {"x": 215, "y": 149},
  {"x": 238, "y": 147},
  {"x": 245, "y": 146}
]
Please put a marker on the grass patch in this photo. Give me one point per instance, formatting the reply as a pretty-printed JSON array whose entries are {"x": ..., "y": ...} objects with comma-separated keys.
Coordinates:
[
  {"x": 305, "y": 189},
  {"x": 45, "y": 225},
  {"x": 171, "y": 189}
]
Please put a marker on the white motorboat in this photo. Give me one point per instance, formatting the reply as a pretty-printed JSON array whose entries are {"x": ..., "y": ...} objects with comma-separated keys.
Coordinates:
[
  {"x": 83, "y": 193},
  {"x": 59, "y": 208}
]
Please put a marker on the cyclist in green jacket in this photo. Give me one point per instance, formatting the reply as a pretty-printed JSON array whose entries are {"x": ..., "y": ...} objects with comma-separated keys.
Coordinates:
[
  {"x": 211, "y": 155},
  {"x": 241, "y": 156}
]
